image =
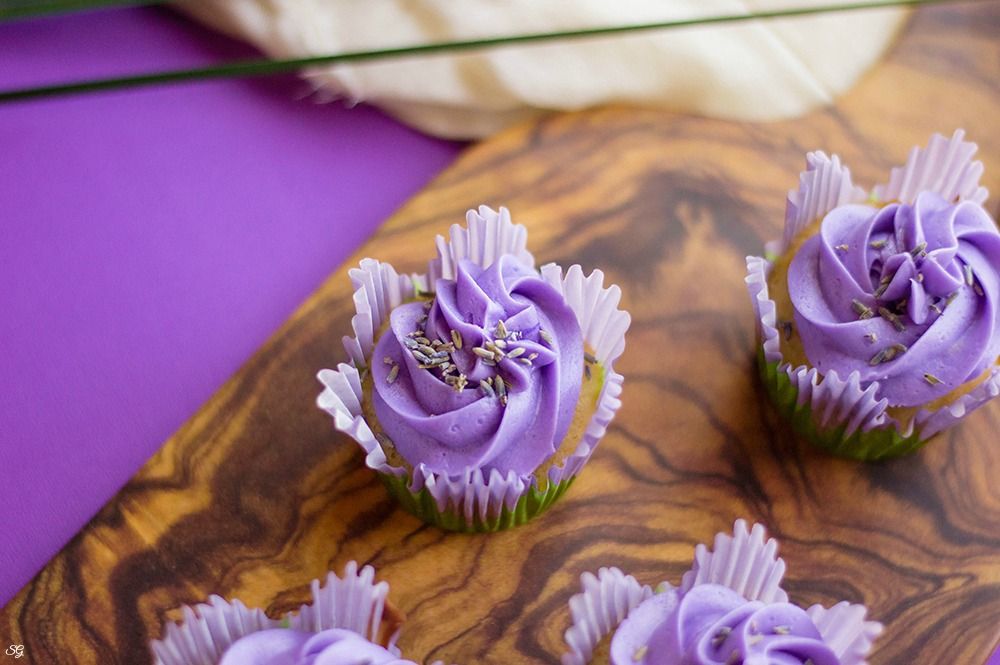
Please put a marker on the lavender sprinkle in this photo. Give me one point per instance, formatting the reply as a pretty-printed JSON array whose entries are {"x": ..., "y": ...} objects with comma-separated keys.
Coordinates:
[
  {"x": 891, "y": 318},
  {"x": 483, "y": 353},
  {"x": 721, "y": 636},
  {"x": 492, "y": 348},
  {"x": 887, "y": 354},
  {"x": 862, "y": 310},
  {"x": 501, "y": 388}
]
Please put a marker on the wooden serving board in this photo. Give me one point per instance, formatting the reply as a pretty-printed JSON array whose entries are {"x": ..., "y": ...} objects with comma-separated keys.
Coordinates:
[{"x": 257, "y": 494}]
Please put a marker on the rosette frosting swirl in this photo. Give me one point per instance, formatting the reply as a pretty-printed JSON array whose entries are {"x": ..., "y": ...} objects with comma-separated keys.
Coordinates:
[
  {"x": 284, "y": 646},
  {"x": 713, "y": 625},
  {"x": 486, "y": 375},
  {"x": 907, "y": 295}
]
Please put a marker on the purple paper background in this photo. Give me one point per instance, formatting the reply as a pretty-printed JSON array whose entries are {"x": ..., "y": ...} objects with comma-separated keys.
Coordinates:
[{"x": 150, "y": 241}]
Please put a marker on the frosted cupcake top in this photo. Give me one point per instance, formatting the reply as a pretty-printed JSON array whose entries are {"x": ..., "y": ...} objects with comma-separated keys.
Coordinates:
[
  {"x": 284, "y": 646},
  {"x": 711, "y": 624},
  {"x": 905, "y": 294},
  {"x": 486, "y": 374}
]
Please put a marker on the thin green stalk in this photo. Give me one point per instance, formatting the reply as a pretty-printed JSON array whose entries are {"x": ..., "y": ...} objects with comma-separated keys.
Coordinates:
[
  {"x": 264, "y": 67},
  {"x": 11, "y": 10}
]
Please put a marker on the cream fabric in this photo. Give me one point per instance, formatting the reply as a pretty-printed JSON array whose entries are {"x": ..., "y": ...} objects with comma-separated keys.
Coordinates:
[{"x": 762, "y": 70}]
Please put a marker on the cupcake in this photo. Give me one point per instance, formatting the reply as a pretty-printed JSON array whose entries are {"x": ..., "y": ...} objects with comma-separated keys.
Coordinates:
[
  {"x": 479, "y": 390},
  {"x": 729, "y": 609},
  {"x": 879, "y": 315},
  {"x": 347, "y": 623}
]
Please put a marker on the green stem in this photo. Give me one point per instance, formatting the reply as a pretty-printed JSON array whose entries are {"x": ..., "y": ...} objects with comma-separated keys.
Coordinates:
[
  {"x": 11, "y": 10},
  {"x": 264, "y": 67}
]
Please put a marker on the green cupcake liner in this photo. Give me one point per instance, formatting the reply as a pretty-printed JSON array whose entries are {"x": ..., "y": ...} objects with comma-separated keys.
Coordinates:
[
  {"x": 422, "y": 504},
  {"x": 875, "y": 444}
]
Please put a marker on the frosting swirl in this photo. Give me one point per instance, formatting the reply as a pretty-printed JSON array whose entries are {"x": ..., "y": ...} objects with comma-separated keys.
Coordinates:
[
  {"x": 906, "y": 295},
  {"x": 284, "y": 646},
  {"x": 714, "y": 625},
  {"x": 485, "y": 376}
]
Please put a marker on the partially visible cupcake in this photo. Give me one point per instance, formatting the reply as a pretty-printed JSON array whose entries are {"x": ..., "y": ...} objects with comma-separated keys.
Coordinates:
[
  {"x": 479, "y": 390},
  {"x": 285, "y": 646},
  {"x": 348, "y": 622},
  {"x": 730, "y": 609},
  {"x": 879, "y": 316}
]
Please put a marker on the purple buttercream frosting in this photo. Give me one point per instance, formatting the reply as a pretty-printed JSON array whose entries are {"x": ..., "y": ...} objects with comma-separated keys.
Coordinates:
[
  {"x": 495, "y": 386},
  {"x": 713, "y": 625},
  {"x": 284, "y": 646},
  {"x": 906, "y": 295}
]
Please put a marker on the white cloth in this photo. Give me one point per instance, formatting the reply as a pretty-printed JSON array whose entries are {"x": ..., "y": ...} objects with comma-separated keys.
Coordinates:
[{"x": 759, "y": 70}]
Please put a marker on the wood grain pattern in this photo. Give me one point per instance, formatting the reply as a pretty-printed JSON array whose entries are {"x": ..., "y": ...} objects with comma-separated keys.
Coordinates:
[{"x": 256, "y": 495}]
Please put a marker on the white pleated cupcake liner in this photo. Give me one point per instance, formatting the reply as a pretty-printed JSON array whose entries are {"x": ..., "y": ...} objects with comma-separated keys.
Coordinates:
[
  {"x": 945, "y": 166},
  {"x": 472, "y": 494},
  {"x": 606, "y": 600},
  {"x": 845, "y": 630},
  {"x": 745, "y": 562},
  {"x": 824, "y": 185},
  {"x": 353, "y": 602},
  {"x": 842, "y": 404}
]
